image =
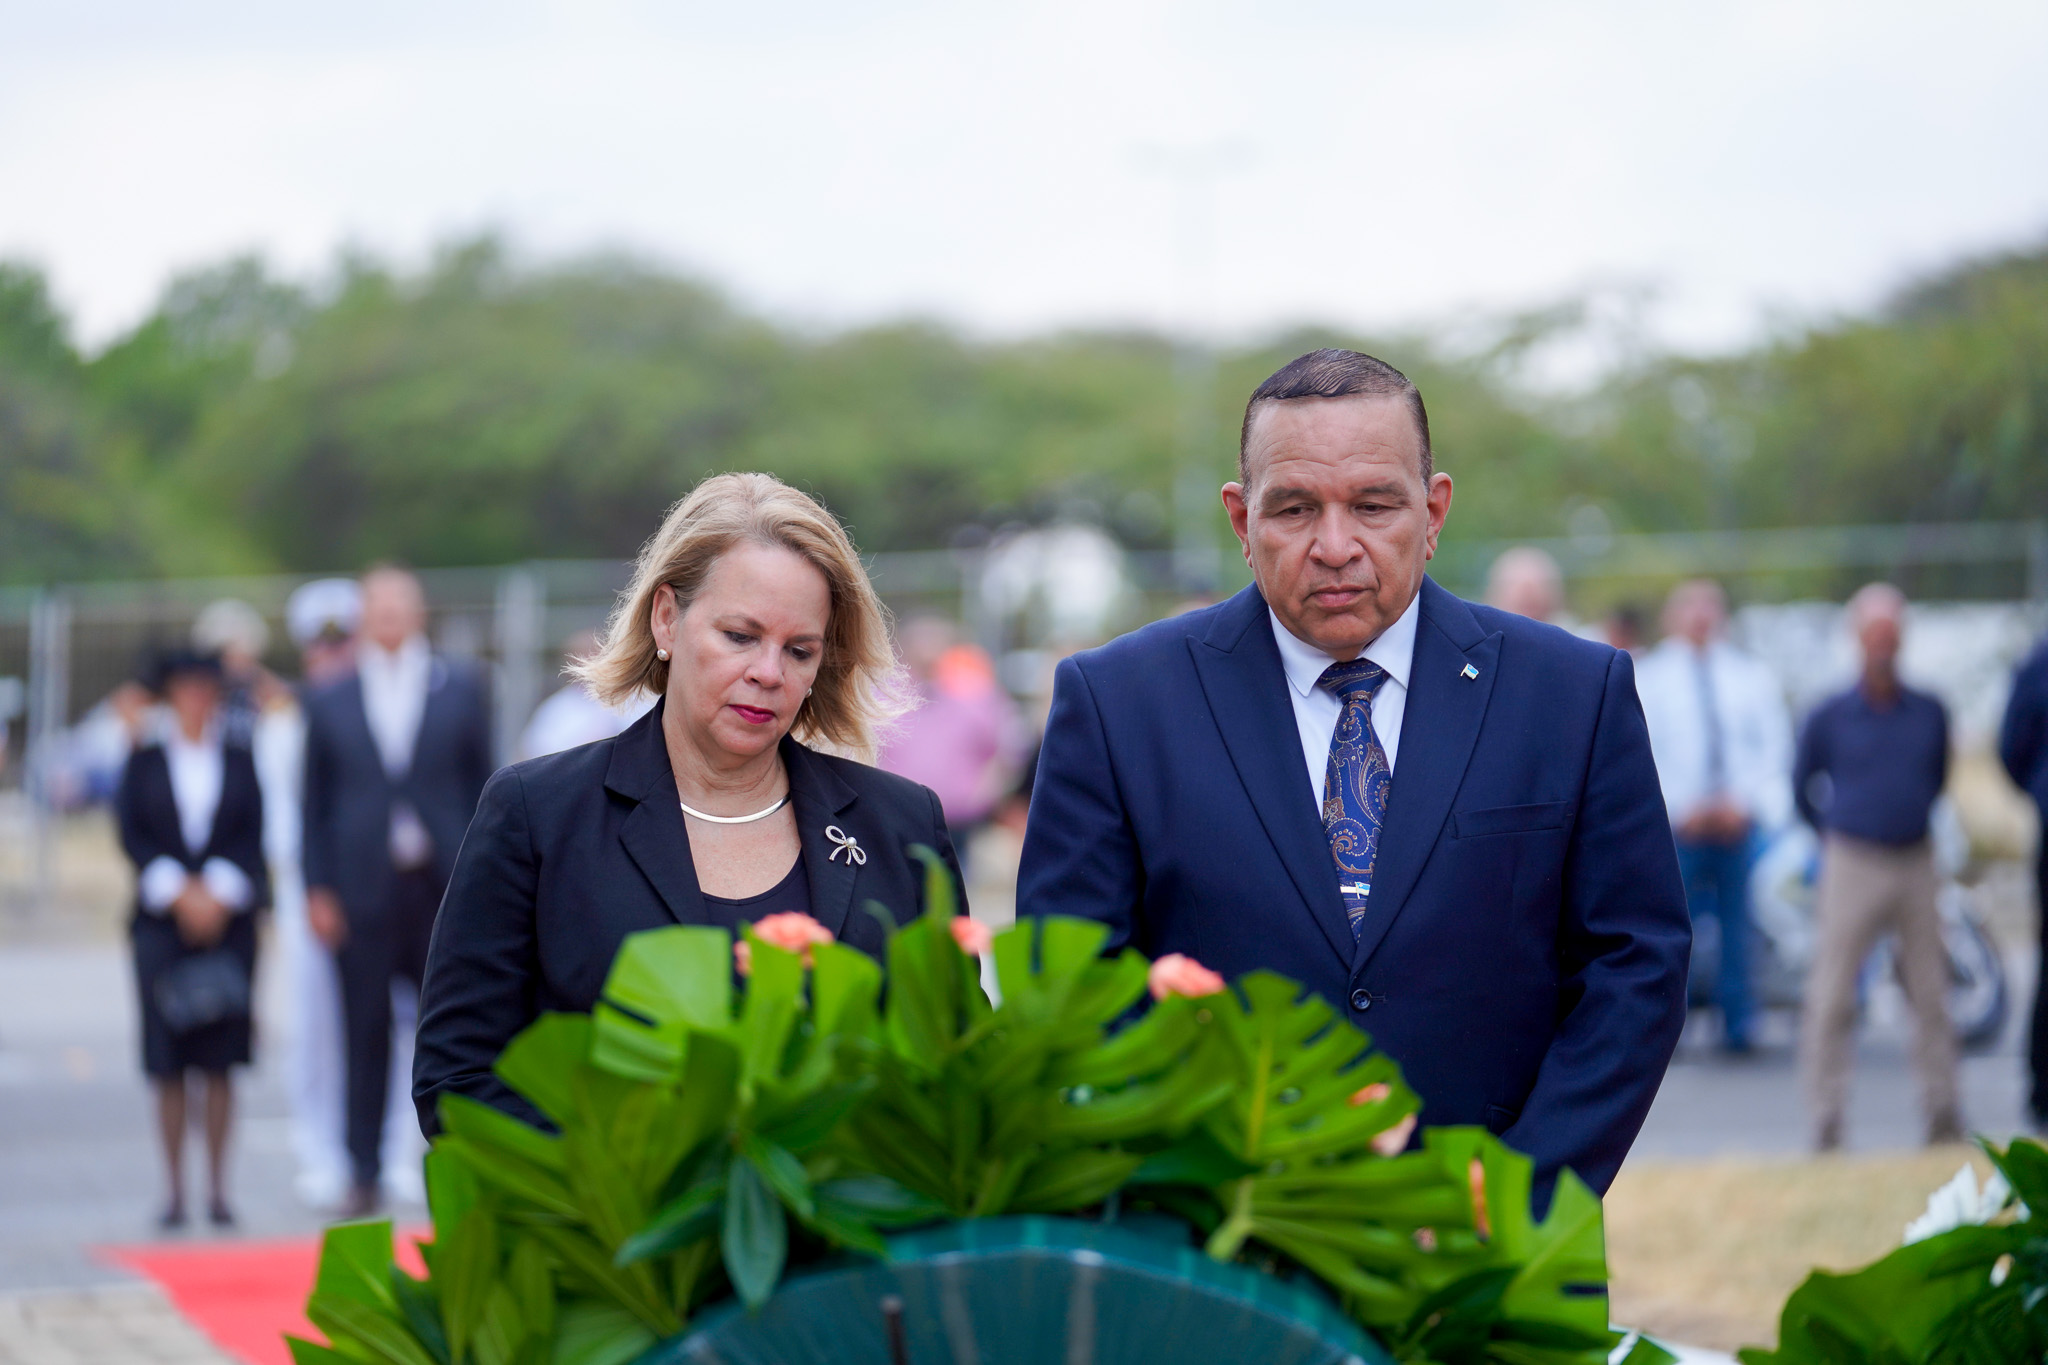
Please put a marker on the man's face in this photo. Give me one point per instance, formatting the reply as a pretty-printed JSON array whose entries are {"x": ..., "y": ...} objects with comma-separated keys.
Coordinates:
[
  {"x": 1879, "y": 632},
  {"x": 394, "y": 608},
  {"x": 1337, "y": 523},
  {"x": 1697, "y": 613}
]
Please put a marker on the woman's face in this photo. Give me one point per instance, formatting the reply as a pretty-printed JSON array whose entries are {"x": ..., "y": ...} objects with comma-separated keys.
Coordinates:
[
  {"x": 744, "y": 655},
  {"x": 192, "y": 698}
]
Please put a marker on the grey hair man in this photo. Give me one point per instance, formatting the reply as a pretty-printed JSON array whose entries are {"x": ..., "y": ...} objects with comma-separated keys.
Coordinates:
[{"x": 1871, "y": 762}]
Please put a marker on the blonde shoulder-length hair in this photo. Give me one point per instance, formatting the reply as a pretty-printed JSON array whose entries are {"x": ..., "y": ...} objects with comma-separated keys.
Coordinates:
[{"x": 857, "y": 692}]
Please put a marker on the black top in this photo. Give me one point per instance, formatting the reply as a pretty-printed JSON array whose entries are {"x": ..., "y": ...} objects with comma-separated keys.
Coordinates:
[
  {"x": 1872, "y": 772},
  {"x": 571, "y": 852},
  {"x": 150, "y": 828},
  {"x": 792, "y": 893}
]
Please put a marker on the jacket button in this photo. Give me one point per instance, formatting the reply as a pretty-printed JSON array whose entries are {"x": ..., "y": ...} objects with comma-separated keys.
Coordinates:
[{"x": 1360, "y": 1001}]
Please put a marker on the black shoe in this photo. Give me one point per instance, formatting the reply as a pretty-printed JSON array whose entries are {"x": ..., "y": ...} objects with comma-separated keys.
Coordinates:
[
  {"x": 173, "y": 1216},
  {"x": 219, "y": 1214},
  {"x": 362, "y": 1201}
]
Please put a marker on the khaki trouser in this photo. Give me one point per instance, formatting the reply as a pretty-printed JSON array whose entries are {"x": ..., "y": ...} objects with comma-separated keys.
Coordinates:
[{"x": 1866, "y": 891}]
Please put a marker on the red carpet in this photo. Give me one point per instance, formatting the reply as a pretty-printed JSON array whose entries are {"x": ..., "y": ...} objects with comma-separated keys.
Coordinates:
[{"x": 244, "y": 1295}]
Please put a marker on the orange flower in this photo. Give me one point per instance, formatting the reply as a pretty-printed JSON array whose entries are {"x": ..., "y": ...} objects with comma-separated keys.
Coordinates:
[
  {"x": 1475, "y": 1175},
  {"x": 1178, "y": 974},
  {"x": 789, "y": 931},
  {"x": 972, "y": 935},
  {"x": 1394, "y": 1141},
  {"x": 1371, "y": 1094}
]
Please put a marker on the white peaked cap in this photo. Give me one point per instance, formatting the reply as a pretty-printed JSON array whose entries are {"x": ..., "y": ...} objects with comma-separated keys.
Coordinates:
[{"x": 324, "y": 602}]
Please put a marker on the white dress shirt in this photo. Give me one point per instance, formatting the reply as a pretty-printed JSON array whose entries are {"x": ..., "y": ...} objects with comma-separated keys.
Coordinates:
[
  {"x": 395, "y": 698},
  {"x": 1749, "y": 724},
  {"x": 1316, "y": 709},
  {"x": 197, "y": 767},
  {"x": 394, "y": 702}
]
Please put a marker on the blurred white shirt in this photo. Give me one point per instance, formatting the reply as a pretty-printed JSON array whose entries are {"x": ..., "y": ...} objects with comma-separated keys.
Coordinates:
[
  {"x": 1675, "y": 682},
  {"x": 571, "y": 716},
  {"x": 395, "y": 698}
]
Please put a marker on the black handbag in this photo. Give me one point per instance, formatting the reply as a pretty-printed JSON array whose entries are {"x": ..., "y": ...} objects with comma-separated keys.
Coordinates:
[{"x": 203, "y": 989}]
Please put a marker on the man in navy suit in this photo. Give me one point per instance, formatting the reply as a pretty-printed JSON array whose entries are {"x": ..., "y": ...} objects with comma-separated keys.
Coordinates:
[{"x": 1442, "y": 818}]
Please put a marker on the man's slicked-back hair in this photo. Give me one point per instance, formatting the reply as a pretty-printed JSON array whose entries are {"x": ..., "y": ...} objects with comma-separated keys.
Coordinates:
[{"x": 1333, "y": 373}]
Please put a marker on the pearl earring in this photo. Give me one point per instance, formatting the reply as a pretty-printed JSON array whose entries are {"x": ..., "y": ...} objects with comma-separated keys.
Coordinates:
[{"x": 661, "y": 654}]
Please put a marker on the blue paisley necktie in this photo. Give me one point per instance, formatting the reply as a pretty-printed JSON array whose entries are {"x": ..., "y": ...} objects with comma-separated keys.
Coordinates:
[{"x": 1355, "y": 784}]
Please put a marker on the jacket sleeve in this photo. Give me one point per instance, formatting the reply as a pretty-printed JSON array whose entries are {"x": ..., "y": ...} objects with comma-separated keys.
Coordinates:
[
  {"x": 2020, "y": 737},
  {"x": 1080, "y": 856},
  {"x": 138, "y": 840},
  {"x": 317, "y": 855},
  {"x": 482, "y": 967},
  {"x": 942, "y": 844},
  {"x": 1624, "y": 939}
]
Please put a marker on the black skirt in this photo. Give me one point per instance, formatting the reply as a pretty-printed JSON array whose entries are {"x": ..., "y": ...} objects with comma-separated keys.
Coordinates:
[{"x": 215, "y": 1047}]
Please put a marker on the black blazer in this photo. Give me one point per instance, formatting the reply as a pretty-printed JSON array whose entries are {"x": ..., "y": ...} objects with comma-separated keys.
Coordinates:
[
  {"x": 349, "y": 796},
  {"x": 149, "y": 818},
  {"x": 571, "y": 852}
]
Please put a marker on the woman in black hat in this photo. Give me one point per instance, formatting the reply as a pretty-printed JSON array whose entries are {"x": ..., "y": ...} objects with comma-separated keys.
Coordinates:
[{"x": 192, "y": 822}]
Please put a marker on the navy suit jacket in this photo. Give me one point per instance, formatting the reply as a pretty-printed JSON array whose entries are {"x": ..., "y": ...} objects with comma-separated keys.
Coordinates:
[
  {"x": 1525, "y": 955},
  {"x": 348, "y": 795}
]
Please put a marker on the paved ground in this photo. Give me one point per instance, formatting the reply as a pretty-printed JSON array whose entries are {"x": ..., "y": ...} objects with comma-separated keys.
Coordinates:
[{"x": 78, "y": 1167}]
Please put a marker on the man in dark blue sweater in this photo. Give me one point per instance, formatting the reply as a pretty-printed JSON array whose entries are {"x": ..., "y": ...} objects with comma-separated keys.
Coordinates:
[
  {"x": 2023, "y": 745},
  {"x": 1871, "y": 762}
]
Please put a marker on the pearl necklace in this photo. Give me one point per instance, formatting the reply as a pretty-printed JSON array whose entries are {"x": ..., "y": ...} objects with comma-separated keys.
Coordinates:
[{"x": 781, "y": 801}]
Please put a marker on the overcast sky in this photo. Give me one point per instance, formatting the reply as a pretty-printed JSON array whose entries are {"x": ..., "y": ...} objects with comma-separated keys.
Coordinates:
[{"x": 1033, "y": 165}]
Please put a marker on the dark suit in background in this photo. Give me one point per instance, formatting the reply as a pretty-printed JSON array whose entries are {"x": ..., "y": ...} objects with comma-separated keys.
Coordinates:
[
  {"x": 572, "y": 852},
  {"x": 351, "y": 799},
  {"x": 1524, "y": 956},
  {"x": 2023, "y": 745}
]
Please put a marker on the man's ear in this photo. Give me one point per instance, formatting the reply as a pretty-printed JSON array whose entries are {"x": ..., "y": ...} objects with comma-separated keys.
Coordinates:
[
  {"x": 1240, "y": 514},
  {"x": 1439, "y": 507}
]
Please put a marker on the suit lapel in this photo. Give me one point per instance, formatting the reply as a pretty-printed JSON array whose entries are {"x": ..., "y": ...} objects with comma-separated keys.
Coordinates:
[
  {"x": 1445, "y": 709},
  {"x": 353, "y": 704},
  {"x": 653, "y": 831},
  {"x": 1239, "y": 666},
  {"x": 821, "y": 799}
]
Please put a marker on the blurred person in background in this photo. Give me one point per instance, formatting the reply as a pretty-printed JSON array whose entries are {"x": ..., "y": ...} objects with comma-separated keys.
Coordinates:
[
  {"x": 236, "y": 634},
  {"x": 321, "y": 619},
  {"x": 1527, "y": 582},
  {"x": 191, "y": 817},
  {"x": 1871, "y": 762},
  {"x": 2023, "y": 746},
  {"x": 964, "y": 739},
  {"x": 572, "y": 715},
  {"x": 1722, "y": 737},
  {"x": 397, "y": 753},
  {"x": 1623, "y": 628}
]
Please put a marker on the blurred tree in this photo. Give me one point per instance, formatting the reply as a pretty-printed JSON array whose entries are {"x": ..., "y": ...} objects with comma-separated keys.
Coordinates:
[{"x": 483, "y": 411}]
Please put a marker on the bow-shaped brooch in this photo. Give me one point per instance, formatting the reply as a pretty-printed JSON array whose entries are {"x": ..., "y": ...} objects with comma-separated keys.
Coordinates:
[{"x": 842, "y": 842}]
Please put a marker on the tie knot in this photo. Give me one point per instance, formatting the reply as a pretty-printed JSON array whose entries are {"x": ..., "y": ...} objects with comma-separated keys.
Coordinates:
[{"x": 1360, "y": 677}]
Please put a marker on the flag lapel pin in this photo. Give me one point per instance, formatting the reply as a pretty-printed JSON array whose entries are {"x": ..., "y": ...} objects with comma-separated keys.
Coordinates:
[{"x": 1470, "y": 671}]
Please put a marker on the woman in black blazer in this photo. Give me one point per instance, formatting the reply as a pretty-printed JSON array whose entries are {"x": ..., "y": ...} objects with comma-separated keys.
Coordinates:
[
  {"x": 191, "y": 818},
  {"x": 752, "y": 620}
]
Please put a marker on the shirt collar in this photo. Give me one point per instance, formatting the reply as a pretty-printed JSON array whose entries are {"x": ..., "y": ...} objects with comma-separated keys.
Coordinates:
[
  {"x": 1394, "y": 651},
  {"x": 412, "y": 655}
]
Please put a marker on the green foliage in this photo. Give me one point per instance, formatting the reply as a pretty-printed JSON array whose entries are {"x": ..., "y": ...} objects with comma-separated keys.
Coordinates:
[
  {"x": 707, "y": 1139},
  {"x": 1975, "y": 1295}
]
